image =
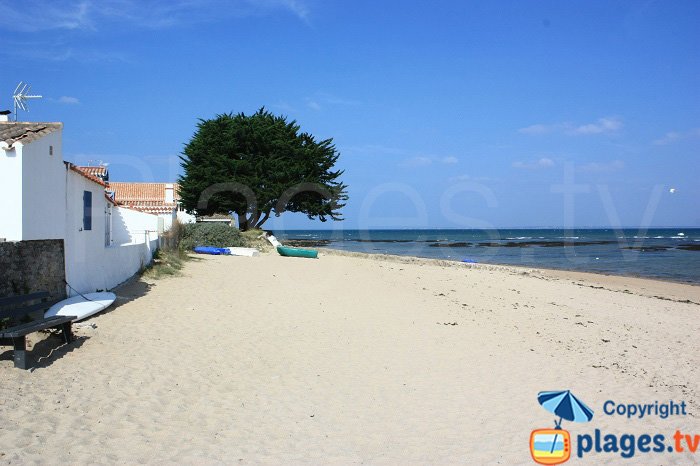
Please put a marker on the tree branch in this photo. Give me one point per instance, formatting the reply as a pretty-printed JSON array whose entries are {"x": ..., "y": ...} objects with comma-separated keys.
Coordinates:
[{"x": 264, "y": 219}]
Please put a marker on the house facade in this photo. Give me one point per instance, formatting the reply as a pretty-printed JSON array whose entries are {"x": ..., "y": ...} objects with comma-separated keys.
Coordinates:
[
  {"x": 43, "y": 197},
  {"x": 160, "y": 199}
]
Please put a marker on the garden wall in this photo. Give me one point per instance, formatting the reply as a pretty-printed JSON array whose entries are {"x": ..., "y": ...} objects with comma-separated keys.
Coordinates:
[{"x": 31, "y": 266}]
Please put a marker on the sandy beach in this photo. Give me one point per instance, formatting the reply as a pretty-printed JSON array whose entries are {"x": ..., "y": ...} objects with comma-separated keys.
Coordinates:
[{"x": 352, "y": 359}]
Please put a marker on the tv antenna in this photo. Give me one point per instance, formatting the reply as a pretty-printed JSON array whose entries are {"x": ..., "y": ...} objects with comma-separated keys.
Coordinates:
[{"x": 21, "y": 95}]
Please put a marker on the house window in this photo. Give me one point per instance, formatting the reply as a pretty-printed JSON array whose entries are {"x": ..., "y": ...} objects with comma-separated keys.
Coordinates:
[
  {"x": 87, "y": 210},
  {"x": 50, "y": 150}
]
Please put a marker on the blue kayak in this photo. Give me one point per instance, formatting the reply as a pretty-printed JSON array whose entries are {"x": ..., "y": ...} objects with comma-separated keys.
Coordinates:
[{"x": 212, "y": 250}]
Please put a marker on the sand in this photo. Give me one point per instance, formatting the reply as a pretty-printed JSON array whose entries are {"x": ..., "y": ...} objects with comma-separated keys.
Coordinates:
[{"x": 349, "y": 359}]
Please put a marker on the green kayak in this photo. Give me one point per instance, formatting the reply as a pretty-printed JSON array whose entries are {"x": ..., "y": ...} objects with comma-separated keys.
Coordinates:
[{"x": 297, "y": 252}]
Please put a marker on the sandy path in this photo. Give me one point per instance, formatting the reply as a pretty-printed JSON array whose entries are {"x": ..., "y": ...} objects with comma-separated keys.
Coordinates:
[{"x": 351, "y": 360}]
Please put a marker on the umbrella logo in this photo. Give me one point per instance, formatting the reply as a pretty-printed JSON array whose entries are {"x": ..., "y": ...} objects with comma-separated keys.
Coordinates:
[{"x": 553, "y": 446}]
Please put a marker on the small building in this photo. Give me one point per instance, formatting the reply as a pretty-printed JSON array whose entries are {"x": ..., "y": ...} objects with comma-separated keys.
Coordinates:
[
  {"x": 216, "y": 218},
  {"x": 99, "y": 171},
  {"x": 43, "y": 197},
  {"x": 161, "y": 199}
]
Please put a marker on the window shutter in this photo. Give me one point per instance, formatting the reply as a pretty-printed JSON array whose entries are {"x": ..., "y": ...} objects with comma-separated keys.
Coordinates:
[{"x": 87, "y": 210}]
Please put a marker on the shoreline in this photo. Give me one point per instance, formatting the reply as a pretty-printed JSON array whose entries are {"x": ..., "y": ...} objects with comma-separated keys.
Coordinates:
[
  {"x": 524, "y": 267},
  {"x": 656, "y": 253}
]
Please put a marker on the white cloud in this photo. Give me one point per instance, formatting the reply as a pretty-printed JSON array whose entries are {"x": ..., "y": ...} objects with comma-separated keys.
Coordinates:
[
  {"x": 544, "y": 162},
  {"x": 673, "y": 136},
  {"x": 541, "y": 128},
  {"x": 449, "y": 160},
  {"x": 44, "y": 15},
  {"x": 41, "y": 15},
  {"x": 297, "y": 7},
  {"x": 603, "y": 125},
  {"x": 313, "y": 105},
  {"x": 68, "y": 100},
  {"x": 600, "y": 126}
]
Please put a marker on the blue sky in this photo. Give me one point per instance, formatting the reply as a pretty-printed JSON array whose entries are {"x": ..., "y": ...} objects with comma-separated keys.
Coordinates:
[{"x": 451, "y": 114}]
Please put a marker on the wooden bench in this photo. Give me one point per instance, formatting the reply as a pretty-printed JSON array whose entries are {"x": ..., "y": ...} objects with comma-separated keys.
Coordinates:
[{"x": 16, "y": 309}]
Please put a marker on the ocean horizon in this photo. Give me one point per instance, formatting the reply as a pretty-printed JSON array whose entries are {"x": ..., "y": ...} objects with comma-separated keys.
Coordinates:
[{"x": 669, "y": 253}]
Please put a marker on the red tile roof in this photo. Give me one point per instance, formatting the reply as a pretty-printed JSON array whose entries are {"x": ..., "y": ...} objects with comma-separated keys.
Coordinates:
[
  {"x": 146, "y": 197},
  {"x": 84, "y": 174},
  {"x": 99, "y": 171}
]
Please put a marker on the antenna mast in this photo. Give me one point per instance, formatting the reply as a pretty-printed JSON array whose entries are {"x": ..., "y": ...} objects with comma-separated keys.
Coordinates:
[{"x": 21, "y": 95}]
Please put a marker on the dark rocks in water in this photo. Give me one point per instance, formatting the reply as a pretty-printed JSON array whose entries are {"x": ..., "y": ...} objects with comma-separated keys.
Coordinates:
[
  {"x": 648, "y": 248},
  {"x": 689, "y": 247},
  {"x": 543, "y": 244},
  {"x": 450, "y": 245},
  {"x": 504, "y": 245},
  {"x": 381, "y": 240},
  {"x": 306, "y": 243},
  {"x": 549, "y": 244}
]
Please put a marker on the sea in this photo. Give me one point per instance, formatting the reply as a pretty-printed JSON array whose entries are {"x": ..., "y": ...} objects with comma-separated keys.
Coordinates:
[{"x": 661, "y": 253}]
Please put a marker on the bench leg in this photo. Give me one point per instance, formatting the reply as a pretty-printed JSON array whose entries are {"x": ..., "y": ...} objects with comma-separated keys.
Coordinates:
[
  {"x": 67, "y": 332},
  {"x": 20, "y": 353}
]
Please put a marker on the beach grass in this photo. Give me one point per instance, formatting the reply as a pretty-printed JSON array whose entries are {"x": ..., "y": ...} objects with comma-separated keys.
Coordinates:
[
  {"x": 166, "y": 263},
  {"x": 254, "y": 239}
]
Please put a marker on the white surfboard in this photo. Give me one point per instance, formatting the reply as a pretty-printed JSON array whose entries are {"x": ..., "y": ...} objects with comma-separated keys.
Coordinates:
[
  {"x": 80, "y": 307},
  {"x": 249, "y": 252},
  {"x": 273, "y": 241}
]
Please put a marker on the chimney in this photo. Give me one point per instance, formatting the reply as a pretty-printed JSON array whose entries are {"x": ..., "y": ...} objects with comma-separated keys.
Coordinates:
[
  {"x": 5, "y": 115},
  {"x": 169, "y": 193}
]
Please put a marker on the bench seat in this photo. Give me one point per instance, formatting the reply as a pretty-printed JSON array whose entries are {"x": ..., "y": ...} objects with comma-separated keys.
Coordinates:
[{"x": 15, "y": 335}]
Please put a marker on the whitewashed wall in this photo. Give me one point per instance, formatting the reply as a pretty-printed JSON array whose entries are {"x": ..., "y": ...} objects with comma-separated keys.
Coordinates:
[
  {"x": 32, "y": 190},
  {"x": 129, "y": 226},
  {"x": 168, "y": 220},
  {"x": 84, "y": 249},
  {"x": 184, "y": 217},
  {"x": 92, "y": 266},
  {"x": 43, "y": 189},
  {"x": 11, "y": 193},
  {"x": 121, "y": 262}
]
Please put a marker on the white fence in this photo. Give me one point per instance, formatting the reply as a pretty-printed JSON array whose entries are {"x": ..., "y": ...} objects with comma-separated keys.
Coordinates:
[{"x": 115, "y": 265}]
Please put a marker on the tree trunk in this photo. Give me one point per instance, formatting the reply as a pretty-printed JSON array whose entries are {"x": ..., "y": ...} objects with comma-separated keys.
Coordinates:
[
  {"x": 264, "y": 219},
  {"x": 242, "y": 222},
  {"x": 253, "y": 220}
]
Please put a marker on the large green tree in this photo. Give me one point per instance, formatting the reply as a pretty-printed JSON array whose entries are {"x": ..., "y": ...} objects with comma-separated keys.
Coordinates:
[{"x": 260, "y": 164}]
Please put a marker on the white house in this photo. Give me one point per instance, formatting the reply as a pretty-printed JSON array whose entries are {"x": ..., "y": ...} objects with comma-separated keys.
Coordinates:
[
  {"x": 161, "y": 199},
  {"x": 43, "y": 197}
]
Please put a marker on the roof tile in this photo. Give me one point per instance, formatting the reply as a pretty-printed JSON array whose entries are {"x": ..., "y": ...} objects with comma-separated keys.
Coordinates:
[
  {"x": 11, "y": 132},
  {"x": 146, "y": 197}
]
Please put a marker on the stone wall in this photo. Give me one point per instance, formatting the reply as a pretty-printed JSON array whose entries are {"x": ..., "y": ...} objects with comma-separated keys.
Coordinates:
[{"x": 31, "y": 266}]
